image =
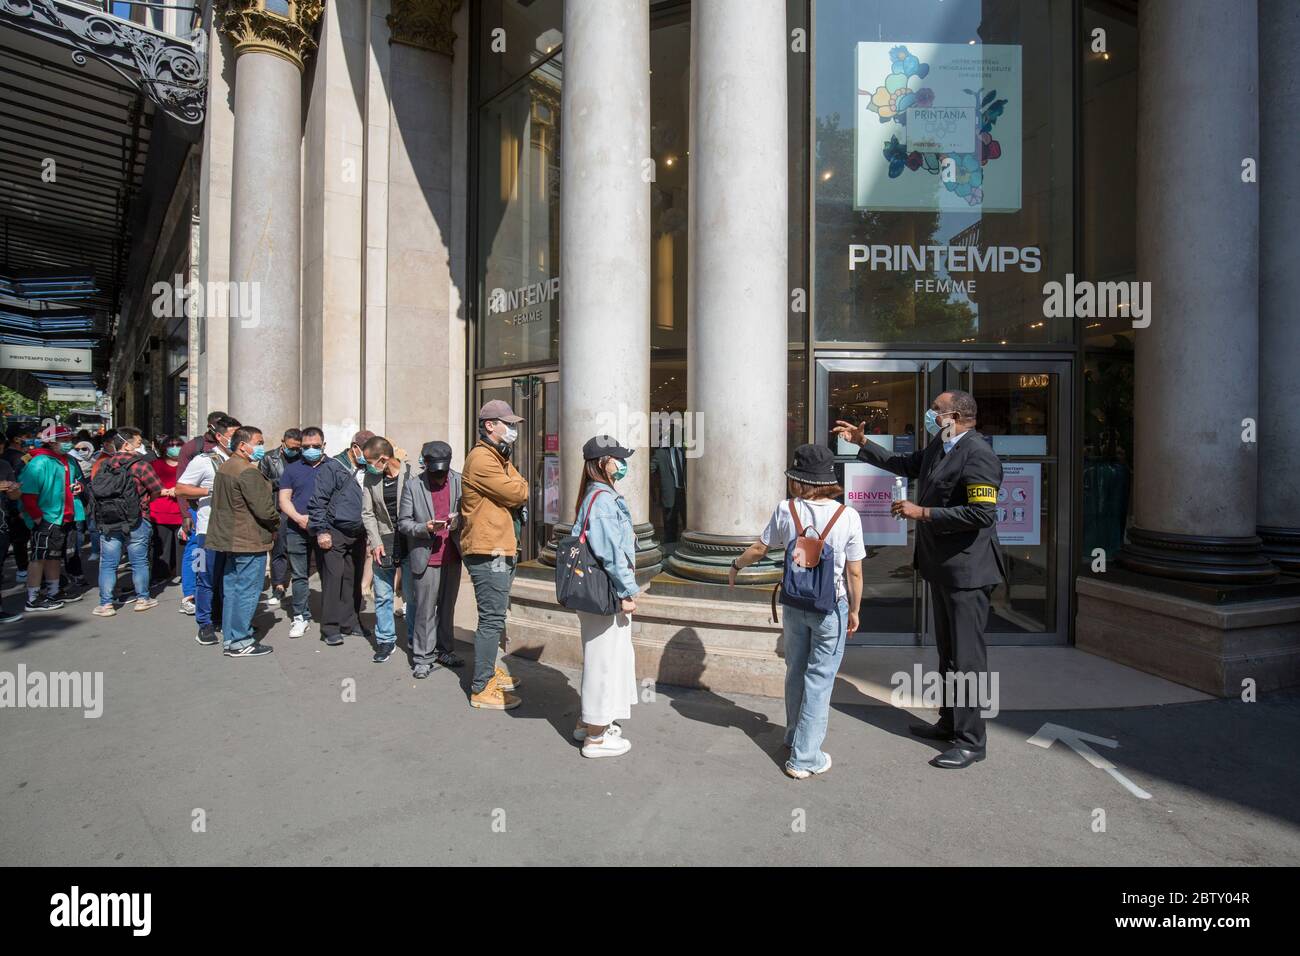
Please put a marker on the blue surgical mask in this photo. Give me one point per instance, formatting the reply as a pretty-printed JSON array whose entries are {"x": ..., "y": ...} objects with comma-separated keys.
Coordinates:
[
  {"x": 65, "y": 446},
  {"x": 932, "y": 421},
  {"x": 259, "y": 452},
  {"x": 371, "y": 469},
  {"x": 312, "y": 454},
  {"x": 621, "y": 471},
  {"x": 291, "y": 453}
]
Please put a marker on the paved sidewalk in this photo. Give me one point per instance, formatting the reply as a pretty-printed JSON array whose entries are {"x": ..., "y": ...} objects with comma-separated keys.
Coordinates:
[{"x": 285, "y": 771}]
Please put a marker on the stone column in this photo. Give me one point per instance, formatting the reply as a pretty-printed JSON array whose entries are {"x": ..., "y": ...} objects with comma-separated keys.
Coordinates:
[
  {"x": 266, "y": 210},
  {"x": 419, "y": 347},
  {"x": 739, "y": 221},
  {"x": 1197, "y": 365},
  {"x": 605, "y": 247},
  {"x": 1279, "y": 283}
]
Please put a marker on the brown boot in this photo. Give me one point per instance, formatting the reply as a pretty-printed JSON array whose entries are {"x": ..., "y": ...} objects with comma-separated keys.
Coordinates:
[
  {"x": 505, "y": 681},
  {"x": 492, "y": 697}
]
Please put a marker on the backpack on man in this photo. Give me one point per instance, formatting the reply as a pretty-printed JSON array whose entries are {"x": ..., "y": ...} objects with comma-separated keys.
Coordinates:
[{"x": 116, "y": 497}]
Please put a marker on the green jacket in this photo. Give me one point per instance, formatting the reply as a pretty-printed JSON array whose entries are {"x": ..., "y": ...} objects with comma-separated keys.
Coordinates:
[{"x": 243, "y": 515}]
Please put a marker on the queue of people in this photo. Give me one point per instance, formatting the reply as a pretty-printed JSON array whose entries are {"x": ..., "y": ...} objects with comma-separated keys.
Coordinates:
[{"x": 239, "y": 509}]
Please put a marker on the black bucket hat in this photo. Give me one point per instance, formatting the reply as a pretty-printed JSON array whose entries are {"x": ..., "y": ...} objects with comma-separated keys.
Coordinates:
[{"x": 813, "y": 465}]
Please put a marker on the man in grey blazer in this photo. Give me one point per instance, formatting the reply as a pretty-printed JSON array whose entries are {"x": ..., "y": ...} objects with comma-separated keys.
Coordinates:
[{"x": 428, "y": 518}]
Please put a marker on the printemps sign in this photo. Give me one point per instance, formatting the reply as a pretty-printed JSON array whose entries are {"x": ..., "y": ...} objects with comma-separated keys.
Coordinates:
[{"x": 517, "y": 304}]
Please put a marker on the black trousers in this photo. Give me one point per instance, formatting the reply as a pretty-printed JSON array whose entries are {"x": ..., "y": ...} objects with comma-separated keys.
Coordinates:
[
  {"x": 340, "y": 584},
  {"x": 960, "y": 616}
]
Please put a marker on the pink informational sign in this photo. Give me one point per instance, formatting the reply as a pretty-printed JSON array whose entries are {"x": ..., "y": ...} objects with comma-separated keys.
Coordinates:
[
  {"x": 552, "y": 442},
  {"x": 869, "y": 491},
  {"x": 550, "y": 488},
  {"x": 1018, "y": 504}
]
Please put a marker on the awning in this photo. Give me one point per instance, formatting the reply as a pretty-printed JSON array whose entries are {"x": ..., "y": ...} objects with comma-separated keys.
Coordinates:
[{"x": 83, "y": 95}]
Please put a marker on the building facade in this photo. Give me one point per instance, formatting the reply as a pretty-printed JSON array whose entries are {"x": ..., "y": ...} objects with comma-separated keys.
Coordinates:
[{"x": 714, "y": 228}]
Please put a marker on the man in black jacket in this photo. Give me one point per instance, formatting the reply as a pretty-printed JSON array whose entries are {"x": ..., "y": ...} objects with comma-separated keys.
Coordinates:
[
  {"x": 272, "y": 466},
  {"x": 334, "y": 517},
  {"x": 957, "y": 554}
]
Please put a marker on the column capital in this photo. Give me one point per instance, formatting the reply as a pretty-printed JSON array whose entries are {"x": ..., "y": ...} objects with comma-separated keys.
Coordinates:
[
  {"x": 251, "y": 26},
  {"x": 424, "y": 23}
]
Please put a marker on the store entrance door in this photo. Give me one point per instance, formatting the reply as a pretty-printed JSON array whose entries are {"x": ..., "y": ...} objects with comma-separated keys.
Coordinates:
[
  {"x": 535, "y": 396},
  {"x": 1024, "y": 412}
]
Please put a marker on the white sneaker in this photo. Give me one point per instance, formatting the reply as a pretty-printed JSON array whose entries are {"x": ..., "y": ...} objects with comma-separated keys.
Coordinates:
[
  {"x": 610, "y": 745},
  {"x": 580, "y": 733},
  {"x": 791, "y": 771},
  {"x": 272, "y": 601},
  {"x": 299, "y": 627}
]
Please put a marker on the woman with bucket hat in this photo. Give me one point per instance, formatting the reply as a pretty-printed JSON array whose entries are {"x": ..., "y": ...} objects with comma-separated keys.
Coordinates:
[
  {"x": 608, "y": 661},
  {"x": 820, "y": 590}
]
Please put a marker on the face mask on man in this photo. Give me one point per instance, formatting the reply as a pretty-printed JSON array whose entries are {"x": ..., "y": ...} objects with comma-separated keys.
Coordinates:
[
  {"x": 291, "y": 453},
  {"x": 173, "y": 451},
  {"x": 932, "y": 423},
  {"x": 259, "y": 452},
  {"x": 65, "y": 446},
  {"x": 511, "y": 435},
  {"x": 312, "y": 452},
  {"x": 373, "y": 469}
]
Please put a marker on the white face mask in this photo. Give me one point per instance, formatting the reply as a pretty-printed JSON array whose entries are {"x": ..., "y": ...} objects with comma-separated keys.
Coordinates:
[{"x": 511, "y": 435}]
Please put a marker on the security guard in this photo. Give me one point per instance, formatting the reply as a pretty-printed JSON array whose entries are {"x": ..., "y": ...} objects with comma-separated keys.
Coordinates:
[{"x": 957, "y": 553}]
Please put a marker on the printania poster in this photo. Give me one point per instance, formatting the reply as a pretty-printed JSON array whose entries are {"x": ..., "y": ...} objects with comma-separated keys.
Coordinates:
[{"x": 938, "y": 127}]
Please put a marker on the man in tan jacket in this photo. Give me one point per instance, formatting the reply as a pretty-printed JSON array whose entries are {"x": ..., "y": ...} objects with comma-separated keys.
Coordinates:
[
  {"x": 492, "y": 493},
  {"x": 243, "y": 520}
]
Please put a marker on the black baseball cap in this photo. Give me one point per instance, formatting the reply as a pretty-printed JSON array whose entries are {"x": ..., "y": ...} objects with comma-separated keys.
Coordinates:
[{"x": 603, "y": 445}]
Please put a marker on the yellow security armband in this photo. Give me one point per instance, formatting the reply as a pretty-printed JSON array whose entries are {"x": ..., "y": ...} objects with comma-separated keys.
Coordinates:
[{"x": 981, "y": 495}]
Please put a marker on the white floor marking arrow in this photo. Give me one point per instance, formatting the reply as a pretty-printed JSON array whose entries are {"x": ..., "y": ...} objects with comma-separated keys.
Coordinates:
[{"x": 1078, "y": 741}]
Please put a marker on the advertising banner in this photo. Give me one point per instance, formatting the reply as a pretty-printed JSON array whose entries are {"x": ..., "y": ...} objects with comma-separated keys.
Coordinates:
[
  {"x": 938, "y": 127},
  {"x": 1018, "y": 504}
]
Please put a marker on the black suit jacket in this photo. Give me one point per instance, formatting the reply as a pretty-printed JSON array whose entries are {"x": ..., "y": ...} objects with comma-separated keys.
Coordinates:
[{"x": 958, "y": 547}]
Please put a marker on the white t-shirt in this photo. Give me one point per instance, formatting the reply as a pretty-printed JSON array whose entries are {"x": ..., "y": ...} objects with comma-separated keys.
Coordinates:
[
  {"x": 845, "y": 538},
  {"x": 201, "y": 472}
]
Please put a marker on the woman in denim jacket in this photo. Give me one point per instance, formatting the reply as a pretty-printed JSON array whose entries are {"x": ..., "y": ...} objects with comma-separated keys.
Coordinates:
[{"x": 608, "y": 662}]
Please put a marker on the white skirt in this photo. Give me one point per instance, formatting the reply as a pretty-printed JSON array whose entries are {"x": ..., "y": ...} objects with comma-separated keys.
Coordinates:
[{"x": 608, "y": 668}]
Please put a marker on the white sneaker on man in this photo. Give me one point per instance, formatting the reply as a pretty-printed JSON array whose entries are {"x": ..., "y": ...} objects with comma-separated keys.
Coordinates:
[
  {"x": 607, "y": 746},
  {"x": 299, "y": 627}
]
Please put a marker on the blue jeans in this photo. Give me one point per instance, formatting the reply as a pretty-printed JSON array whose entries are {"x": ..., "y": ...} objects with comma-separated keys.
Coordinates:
[
  {"x": 189, "y": 578},
  {"x": 209, "y": 567},
  {"x": 385, "y": 626},
  {"x": 241, "y": 586},
  {"x": 136, "y": 545},
  {"x": 814, "y": 647}
]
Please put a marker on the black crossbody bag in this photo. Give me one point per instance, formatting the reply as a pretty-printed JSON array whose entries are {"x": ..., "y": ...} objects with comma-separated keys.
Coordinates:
[{"x": 581, "y": 583}]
